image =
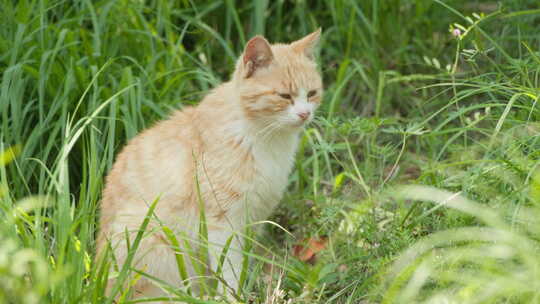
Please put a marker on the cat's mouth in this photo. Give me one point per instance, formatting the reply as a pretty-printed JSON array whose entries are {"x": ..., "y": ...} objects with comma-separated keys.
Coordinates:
[{"x": 301, "y": 122}]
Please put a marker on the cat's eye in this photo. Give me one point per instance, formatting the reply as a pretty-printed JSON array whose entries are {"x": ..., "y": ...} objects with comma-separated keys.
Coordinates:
[
  {"x": 285, "y": 96},
  {"x": 311, "y": 93}
]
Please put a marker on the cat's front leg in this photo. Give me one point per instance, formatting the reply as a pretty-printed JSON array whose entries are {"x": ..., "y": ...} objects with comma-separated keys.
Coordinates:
[{"x": 232, "y": 266}]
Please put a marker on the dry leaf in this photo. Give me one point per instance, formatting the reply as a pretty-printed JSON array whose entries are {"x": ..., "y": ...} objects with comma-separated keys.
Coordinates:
[{"x": 307, "y": 250}]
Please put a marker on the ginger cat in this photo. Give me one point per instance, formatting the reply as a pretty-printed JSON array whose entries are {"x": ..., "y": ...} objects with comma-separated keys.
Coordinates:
[{"x": 239, "y": 143}]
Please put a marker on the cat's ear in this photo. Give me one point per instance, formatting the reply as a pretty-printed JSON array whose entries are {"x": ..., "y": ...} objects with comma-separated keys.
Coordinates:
[
  {"x": 308, "y": 44},
  {"x": 257, "y": 54}
]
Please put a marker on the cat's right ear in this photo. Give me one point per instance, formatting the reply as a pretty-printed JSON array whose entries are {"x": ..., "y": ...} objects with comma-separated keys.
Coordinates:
[{"x": 257, "y": 55}]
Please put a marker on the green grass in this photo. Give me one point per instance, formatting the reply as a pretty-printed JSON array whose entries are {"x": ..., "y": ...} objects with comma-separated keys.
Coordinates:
[{"x": 405, "y": 103}]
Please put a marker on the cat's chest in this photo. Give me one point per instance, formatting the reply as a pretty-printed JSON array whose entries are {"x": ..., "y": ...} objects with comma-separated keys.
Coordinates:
[{"x": 272, "y": 163}]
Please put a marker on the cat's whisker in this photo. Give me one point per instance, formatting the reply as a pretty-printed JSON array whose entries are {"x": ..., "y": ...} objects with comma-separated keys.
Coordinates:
[
  {"x": 267, "y": 129},
  {"x": 270, "y": 131}
]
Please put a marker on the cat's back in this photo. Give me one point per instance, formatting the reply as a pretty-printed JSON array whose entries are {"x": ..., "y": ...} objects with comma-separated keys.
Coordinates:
[{"x": 157, "y": 162}]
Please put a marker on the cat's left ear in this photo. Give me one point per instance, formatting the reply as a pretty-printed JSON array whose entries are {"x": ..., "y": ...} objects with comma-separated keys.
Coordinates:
[
  {"x": 308, "y": 44},
  {"x": 257, "y": 54}
]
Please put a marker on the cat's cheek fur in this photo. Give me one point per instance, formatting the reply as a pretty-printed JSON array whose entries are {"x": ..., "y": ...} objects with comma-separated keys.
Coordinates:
[{"x": 266, "y": 108}]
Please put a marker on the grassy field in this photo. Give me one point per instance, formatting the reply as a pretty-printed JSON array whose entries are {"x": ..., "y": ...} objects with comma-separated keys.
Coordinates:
[{"x": 421, "y": 170}]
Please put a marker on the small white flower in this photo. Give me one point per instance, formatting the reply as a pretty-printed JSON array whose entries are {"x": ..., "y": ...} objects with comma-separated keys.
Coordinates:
[{"x": 202, "y": 58}]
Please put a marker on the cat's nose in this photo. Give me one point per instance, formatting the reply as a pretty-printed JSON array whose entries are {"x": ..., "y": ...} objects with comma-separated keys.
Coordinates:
[{"x": 304, "y": 115}]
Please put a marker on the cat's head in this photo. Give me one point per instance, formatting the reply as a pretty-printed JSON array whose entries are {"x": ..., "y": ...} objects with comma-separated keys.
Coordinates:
[{"x": 278, "y": 84}]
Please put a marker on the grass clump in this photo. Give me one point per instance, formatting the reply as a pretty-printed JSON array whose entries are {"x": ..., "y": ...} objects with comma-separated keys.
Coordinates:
[{"x": 493, "y": 263}]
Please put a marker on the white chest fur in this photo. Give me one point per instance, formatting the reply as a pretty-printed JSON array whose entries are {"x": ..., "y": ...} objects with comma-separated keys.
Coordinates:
[{"x": 272, "y": 161}]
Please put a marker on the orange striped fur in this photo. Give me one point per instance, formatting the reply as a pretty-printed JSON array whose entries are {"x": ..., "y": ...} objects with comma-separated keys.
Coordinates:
[{"x": 238, "y": 143}]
